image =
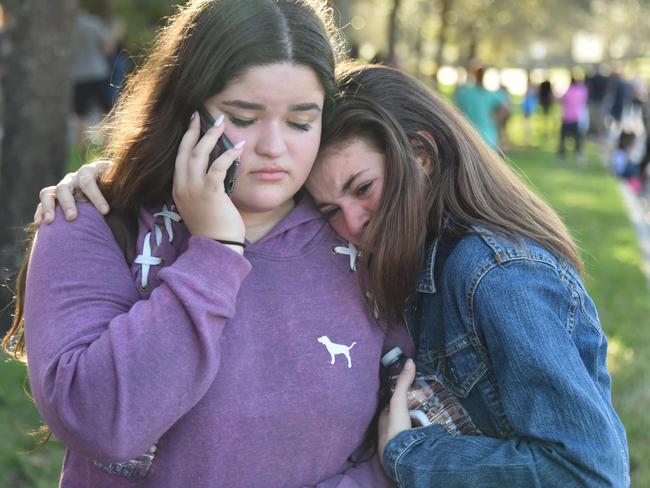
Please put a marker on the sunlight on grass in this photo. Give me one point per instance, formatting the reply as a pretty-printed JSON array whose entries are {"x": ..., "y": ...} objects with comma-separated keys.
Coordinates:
[
  {"x": 581, "y": 199},
  {"x": 627, "y": 254},
  {"x": 589, "y": 201},
  {"x": 618, "y": 355}
]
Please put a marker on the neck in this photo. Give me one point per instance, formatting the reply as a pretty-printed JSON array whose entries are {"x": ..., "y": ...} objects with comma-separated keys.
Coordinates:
[{"x": 259, "y": 224}]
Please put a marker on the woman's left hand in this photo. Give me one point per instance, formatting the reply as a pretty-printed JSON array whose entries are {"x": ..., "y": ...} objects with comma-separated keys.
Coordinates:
[{"x": 395, "y": 417}]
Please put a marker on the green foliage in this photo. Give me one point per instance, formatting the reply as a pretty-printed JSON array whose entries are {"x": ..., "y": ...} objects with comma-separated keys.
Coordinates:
[
  {"x": 141, "y": 18},
  {"x": 22, "y": 463}
]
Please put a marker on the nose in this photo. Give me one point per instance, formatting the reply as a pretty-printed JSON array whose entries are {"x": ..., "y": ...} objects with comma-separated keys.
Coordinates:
[
  {"x": 355, "y": 219},
  {"x": 271, "y": 142}
]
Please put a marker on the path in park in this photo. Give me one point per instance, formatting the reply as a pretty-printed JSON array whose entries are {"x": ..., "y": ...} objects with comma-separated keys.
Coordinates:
[{"x": 638, "y": 208}]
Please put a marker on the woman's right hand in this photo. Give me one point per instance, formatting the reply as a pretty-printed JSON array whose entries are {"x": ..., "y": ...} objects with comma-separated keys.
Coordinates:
[
  {"x": 84, "y": 179},
  {"x": 198, "y": 191}
]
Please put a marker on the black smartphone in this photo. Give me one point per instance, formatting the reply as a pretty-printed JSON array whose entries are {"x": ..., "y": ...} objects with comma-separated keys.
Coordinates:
[{"x": 223, "y": 144}]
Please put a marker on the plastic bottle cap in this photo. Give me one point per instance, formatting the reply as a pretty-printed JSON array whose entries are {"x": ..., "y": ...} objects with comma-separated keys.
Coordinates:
[{"x": 391, "y": 356}]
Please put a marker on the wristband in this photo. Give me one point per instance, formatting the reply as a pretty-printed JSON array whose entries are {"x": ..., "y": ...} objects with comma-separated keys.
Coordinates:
[{"x": 231, "y": 243}]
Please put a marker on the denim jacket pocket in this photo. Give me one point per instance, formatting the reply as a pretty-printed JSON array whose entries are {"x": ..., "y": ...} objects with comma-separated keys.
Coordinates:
[{"x": 459, "y": 366}]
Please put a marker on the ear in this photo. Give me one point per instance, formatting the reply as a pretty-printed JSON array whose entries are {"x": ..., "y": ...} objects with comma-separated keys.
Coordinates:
[{"x": 422, "y": 152}]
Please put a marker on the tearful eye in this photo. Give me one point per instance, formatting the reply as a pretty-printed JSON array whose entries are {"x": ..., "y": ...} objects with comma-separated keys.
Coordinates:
[{"x": 363, "y": 189}]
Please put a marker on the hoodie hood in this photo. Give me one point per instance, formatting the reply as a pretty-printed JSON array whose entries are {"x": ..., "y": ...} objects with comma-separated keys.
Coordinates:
[{"x": 297, "y": 234}]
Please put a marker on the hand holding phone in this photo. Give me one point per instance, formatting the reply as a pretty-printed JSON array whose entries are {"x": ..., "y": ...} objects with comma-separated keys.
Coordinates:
[
  {"x": 197, "y": 189},
  {"x": 223, "y": 144}
]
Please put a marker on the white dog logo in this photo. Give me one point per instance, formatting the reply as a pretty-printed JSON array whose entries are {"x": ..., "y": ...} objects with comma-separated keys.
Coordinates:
[{"x": 335, "y": 349}]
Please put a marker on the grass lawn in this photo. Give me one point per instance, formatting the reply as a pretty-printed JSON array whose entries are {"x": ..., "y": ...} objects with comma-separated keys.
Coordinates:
[{"x": 588, "y": 199}]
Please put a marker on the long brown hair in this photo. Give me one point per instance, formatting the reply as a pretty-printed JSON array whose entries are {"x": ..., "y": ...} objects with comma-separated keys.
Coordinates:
[
  {"x": 468, "y": 183},
  {"x": 204, "y": 46}
]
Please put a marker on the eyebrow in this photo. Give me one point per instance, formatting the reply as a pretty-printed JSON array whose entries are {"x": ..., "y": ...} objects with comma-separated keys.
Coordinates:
[
  {"x": 300, "y": 107},
  {"x": 345, "y": 188}
]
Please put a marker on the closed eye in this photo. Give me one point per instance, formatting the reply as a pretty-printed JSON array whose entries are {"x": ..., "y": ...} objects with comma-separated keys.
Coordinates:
[
  {"x": 329, "y": 212},
  {"x": 302, "y": 127},
  {"x": 241, "y": 122}
]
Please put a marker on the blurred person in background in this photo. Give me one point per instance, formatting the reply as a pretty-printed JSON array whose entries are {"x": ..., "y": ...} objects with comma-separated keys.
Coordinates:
[
  {"x": 546, "y": 99},
  {"x": 92, "y": 44},
  {"x": 574, "y": 107},
  {"x": 597, "y": 87},
  {"x": 485, "y": 109},
  {"x": 502, "y": 121},
  {"x": 619, "y": 96},
  {"x": 119, "y": 61},
  {"x": 528, "y": 107}
]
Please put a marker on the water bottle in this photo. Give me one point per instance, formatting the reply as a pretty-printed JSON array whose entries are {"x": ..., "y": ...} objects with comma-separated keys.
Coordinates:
[{"x": 429, "y": 401}]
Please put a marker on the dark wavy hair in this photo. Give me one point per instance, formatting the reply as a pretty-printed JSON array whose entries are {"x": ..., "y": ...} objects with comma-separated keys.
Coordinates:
[{"x": 203, "y": 47}]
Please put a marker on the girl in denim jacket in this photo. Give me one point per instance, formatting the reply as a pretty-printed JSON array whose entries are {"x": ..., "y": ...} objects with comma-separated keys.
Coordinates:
[{"x": 494, "y": 301}]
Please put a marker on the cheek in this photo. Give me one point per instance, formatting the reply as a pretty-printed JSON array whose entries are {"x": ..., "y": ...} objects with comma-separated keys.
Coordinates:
[
  {"x": 340, "y": 228},
  {"x": 237, "y": 134},
  {"x": 374, "y": 200},
  {"x": 304, "y": 149}
]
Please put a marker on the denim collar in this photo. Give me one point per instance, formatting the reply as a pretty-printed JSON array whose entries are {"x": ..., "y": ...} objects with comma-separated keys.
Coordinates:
[{"x": 427, "y": 283}]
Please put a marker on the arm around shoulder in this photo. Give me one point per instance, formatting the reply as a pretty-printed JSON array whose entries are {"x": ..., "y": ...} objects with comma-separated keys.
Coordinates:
[{"x": 99, "y": 356}]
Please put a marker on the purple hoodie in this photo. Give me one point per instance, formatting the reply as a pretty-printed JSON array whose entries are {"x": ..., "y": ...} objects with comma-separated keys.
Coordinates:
[{"x": 245, "y": 371}]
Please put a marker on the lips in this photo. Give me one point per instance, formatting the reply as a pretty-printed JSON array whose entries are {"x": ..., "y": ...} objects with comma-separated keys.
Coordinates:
[
  {"x": 269, "y": 173},
  {"x": 270, "y": 169}
]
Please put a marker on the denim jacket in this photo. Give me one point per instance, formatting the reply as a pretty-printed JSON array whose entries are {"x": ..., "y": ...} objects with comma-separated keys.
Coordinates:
[{"x": 512, "y": 331}]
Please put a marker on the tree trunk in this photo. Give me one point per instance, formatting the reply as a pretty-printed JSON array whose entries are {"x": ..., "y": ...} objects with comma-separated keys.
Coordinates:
[
  {"x": 37, "y": 100},
  {"x": 392, "y": 32}
]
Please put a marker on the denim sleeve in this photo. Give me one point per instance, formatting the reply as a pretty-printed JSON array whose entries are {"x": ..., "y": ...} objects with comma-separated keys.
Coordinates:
[{"x": 566, "y": 431}]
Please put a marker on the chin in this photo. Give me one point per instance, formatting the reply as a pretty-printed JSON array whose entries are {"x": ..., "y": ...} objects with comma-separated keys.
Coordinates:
[{"x": 265, "y": 200}]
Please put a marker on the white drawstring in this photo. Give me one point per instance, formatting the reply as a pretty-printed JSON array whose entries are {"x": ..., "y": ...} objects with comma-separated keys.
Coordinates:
[
  {"x": 351, "y": 251},
  {"x": 158, "y": 234},
  {"x": 146, "y": 260},
  {"x": 168, "y": 215}
]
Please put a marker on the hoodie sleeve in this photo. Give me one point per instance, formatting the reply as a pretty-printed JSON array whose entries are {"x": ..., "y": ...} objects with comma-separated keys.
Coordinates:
[{"x": 110, "y": 373}]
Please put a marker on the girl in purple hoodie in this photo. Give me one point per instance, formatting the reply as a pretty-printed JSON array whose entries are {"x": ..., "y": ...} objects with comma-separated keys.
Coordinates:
[{"x": 192, "y": 338}]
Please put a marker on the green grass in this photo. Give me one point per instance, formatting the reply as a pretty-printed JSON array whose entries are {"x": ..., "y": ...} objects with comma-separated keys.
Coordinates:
[
  {"x": 21, "y": 463},
  {"x": 589, "y": 201}
]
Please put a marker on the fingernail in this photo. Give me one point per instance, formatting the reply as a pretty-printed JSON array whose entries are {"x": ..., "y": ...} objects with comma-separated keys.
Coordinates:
[
  {"x": 69, "y": 214},
  {"x": 409, "y": 364},
  {"x": 219, "y": 121},
  {"x": 193, "y": 115},
  {"x": 103, "y": 209},
  {"x": 240, "y": 144},
  {"x": 48, "y": 215}
]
